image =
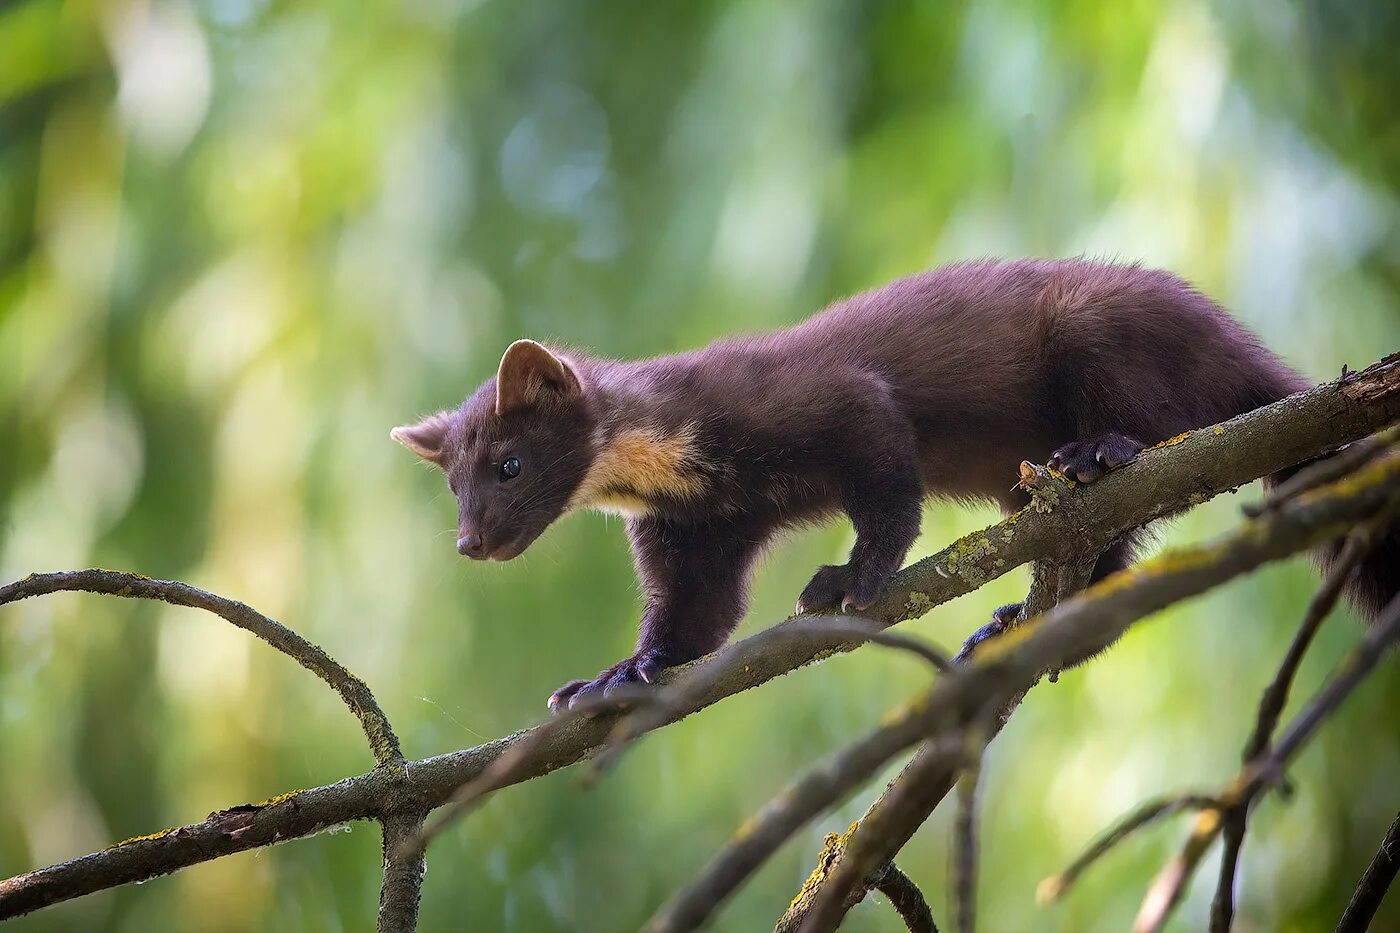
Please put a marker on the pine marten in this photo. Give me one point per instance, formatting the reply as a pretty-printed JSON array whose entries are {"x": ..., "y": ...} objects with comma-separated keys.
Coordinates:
[{"x": 938, "y": 384}]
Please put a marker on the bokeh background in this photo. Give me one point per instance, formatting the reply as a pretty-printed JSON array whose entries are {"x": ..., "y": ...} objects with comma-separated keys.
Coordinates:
[{"x": 242, "y": 239}]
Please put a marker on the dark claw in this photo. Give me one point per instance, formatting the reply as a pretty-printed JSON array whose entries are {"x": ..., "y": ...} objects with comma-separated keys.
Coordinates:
[
  {"x": 1086, "y": 461},
  {"x": 640, "y": 668},
  {"x": 560, "y": 698},
  {"x": 826, "y": 590},
  {"x": 842, "y": 586}
]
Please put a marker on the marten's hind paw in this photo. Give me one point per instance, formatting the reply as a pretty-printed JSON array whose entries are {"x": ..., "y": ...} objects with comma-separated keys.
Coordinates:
[
  {"x": 1086, "y": 461},
  {"x": 642, "y": 668},
  {"x": 842, "y": 587},
  {"x": 1003, "y": 618}
]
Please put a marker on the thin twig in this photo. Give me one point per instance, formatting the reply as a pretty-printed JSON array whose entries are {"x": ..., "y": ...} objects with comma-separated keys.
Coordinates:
[
  {"x": 1054, "y": 887},
  {"x": 1370, "y": 890},
  {"x": 1265, "y": 771},
  {"x": 819, "y": 632},
  {"x": 382, "y": 741},
  {"x": 1359, "y": 544},
  {"x": 505, "y": 770}
]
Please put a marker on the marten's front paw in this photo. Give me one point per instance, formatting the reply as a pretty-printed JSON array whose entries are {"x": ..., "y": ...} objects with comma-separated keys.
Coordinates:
[
  {"x": 840, "y": 586},
  {"x": 642, "y": 667},
  {"x": 1086, "y": 461}
]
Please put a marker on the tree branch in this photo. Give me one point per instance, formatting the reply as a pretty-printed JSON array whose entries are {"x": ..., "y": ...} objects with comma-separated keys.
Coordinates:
[
  {"x": 1358, "y": 545},
  {"x": 1370, "y": 891},
  {"x": 965, "y": 841},
  {"x": 1054, "y": 887},
  {"x": 382, "y": 741},
  {"x": 906, "y": 898},
  {"x": 1178, "y": 474},
  {"x": 1014, "y": 661},
  {"x": 1264, "y": 771},
  {"x": 404, "y": 868},
  {"x": 911, "y": 798}
]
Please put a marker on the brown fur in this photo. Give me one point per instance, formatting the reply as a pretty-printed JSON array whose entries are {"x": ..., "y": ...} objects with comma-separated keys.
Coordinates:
[{"x": 938, "y": 384}]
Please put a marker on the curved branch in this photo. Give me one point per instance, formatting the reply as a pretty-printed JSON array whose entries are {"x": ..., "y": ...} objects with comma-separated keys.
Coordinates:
[
  {"x": 1176, "y": 475},
  {"x": 1054, "y": 887},
  {"x": 906, "y": 898},
  {"x": 382, "y": 741}
]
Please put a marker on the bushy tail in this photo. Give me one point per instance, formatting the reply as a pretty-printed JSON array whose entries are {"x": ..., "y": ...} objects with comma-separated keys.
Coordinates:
[{"x": 1377, "y": 580}]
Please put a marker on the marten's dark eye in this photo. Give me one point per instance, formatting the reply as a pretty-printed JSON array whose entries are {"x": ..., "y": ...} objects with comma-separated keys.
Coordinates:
[{"x": 510, "y": 468}]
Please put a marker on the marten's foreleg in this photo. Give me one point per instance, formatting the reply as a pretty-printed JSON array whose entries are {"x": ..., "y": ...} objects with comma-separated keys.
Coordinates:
[
  {"x": 695, "y": 578},
  {"x": 881, "y": 492}
]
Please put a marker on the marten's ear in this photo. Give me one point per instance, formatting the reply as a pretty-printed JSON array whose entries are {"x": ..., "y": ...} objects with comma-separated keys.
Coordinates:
[
  {"x": 529, "y": 373},
  {"x": 426, "y": 438}
]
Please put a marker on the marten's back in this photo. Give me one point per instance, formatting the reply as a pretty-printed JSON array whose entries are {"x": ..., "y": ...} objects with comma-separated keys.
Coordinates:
[
  {"x": 996, "y": 361},
  {"x": 991, "y": 361}
]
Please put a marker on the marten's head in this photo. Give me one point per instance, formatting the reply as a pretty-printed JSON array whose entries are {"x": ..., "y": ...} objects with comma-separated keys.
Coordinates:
[{"x": 514, "y": 453}]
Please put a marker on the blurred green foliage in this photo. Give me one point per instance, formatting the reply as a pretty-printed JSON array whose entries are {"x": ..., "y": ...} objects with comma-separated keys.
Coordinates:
[{"x": 240, "y": 240}]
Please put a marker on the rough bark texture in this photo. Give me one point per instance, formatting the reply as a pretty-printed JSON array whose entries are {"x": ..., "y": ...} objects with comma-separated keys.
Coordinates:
[
  {"x": 1180, "y": 473},
  {"x": 1012, "y": 663}
]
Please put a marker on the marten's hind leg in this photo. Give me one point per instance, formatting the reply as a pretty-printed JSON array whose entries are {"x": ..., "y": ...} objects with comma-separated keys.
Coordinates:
[{"x": 1117, "y": 557}]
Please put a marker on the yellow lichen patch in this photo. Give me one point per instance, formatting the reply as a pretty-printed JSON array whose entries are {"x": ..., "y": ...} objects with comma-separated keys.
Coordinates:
[
  {"x": 964, "y": 554},
  {"x": 638, "y": 464},
  {"x": 1172, "y": 441},
  {"x": 896, "y": 714},
  {"x": 280, "y": 798},
  {"x": 1218, "y": 431},
  {"x": 746, "y": 829},
  {"x": 832, "y": 847},
  {"x": 146, "y": 838}
]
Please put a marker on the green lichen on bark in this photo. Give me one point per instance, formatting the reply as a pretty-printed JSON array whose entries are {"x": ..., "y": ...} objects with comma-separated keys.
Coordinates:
[{"x": 917, "y": 604}]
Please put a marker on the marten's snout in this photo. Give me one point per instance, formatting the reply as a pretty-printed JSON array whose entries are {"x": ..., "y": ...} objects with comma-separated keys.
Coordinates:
[{"x": 471, "y": 545}]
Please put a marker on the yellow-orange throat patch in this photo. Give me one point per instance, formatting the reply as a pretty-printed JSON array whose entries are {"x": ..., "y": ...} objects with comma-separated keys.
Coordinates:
[{"x": 636, "y": 465}]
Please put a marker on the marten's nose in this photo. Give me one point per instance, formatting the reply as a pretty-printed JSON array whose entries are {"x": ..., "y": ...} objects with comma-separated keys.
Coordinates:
[{"x": 469, "y": 545}]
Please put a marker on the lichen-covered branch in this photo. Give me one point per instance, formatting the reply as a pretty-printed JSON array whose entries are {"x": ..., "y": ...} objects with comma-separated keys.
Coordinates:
[
  {"x": 1266, "y": 770},
  {"x": 1011, "y": 663},
  {"x": 912, "y": 796},
  {"x": 1178, "y": 474},
  {"x": 1358, "y": 545}
]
